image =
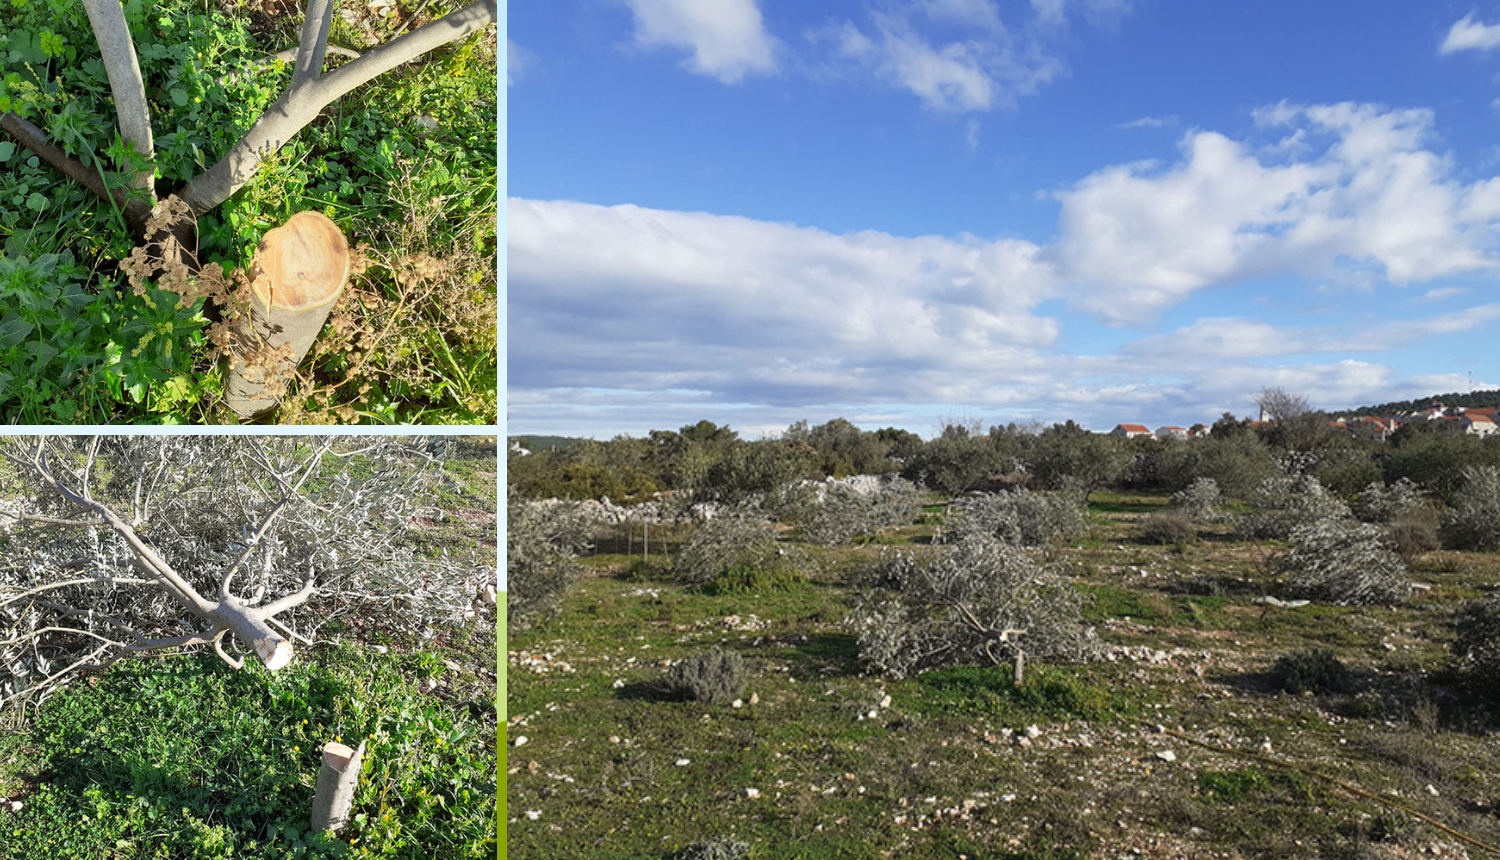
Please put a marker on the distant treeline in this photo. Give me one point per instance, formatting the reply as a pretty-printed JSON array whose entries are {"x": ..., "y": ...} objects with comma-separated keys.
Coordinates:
[
  {"x": 1471, "y": 400},
  {"x": 709, "y": 461}
]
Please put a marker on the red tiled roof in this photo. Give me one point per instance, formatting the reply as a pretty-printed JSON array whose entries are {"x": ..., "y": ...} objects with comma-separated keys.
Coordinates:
[{"x": 1134, "y": 428}]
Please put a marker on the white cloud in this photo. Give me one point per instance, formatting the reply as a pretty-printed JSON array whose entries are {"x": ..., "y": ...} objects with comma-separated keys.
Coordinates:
[
  {"x": 961, "y": 56},
  {"x": 1150, "y": 122},
  {"x": 732, "y": 305},
  {"x": 1444, "y": 293},
  {"x": 727, "y": 38},
  {"x": 516, "y": 60},
  {"x": 1466, "y": 34},
  {"x": 1136, "y": 239},
  {"x": 984, "y": 14}
]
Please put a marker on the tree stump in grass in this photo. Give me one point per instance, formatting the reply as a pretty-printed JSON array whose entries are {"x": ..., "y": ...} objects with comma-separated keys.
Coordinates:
[
  {"x": 337, "y": 779},
  {"x": 296, "y": 277}
]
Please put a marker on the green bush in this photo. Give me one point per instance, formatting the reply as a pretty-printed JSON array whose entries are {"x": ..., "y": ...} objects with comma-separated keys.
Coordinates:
[
  {"x": 1475, "y": 520},
  {"x": 713, "y": 678},
  {"x": 735, "y": 549},
  {"x": 1313, "y": 669},
  {"x": 1476, "y": 649},
  {"x": 542, "y": 543},
  {"x": 1167, "y": 528}
]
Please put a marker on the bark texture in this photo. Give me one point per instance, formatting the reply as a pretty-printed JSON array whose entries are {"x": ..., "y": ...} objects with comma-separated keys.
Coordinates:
[
  {"x": 337, "y": 780},
  {"x": 299, "y": 271},
  {"x": 107, "y": 18}
]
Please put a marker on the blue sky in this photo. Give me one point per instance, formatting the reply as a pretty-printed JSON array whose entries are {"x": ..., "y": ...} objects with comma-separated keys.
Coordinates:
[{"x": 900, "y": 211}]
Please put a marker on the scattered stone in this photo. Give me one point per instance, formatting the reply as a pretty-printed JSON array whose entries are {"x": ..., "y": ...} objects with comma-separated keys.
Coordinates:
[
  {"x": 520, "y": 741},
  {"x": 1033, "y": 732},
  {"x": 533, "y": 814},
  {"x": 752, "y": 793},
  {"x": 1167, "y": 755},
  {"x": 619, "y": 684},
  {"x": 682, "y": 762},
  {"x": 885, "y": 702},
  {"x": 754, "y": 699},
  {"x": 737, "y": 703}
]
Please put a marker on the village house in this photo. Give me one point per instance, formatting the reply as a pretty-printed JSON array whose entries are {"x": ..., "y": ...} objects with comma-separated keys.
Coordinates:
[
  {"x": 1171, "y": 433},
  {"x": 1130, "y": 431}
]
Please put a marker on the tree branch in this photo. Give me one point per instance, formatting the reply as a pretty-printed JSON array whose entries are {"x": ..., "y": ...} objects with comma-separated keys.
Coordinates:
[
  {"x": 136, "y": 210},
  {"x": 107, "y": 19},
  {"x": 306, "y": 97}
]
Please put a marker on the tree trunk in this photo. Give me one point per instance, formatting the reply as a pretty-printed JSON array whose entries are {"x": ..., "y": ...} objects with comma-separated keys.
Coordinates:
[
  {"x": 107, "y": 19},
  {"x": 299, "y": 270},
  {"x": 337, "y": 780}
]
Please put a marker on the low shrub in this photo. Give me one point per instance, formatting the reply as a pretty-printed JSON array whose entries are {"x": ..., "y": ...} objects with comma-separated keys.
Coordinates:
[
  {"x": 1475, "y": 521},
  {"x": 542, "y": 543},
  {"x": 953, "y": 606},
  {"x": 1311, "y": 670},
  {"x": 733, "y": 546},
  {"x": 751, "y": 580},
  {"x": 1385, "y": 503},
  {"x": 1021, "y": 517},
  {"x": 1283, "y": 503},
  {"x": 1476, "y": 650},
  {"x": 1168, "y": 529},
  {"x": 845, "y": 513},
  {"x": 717, "y": 848},
  {"x": 713, "y": 678},
  {"x": 1414, "y": 533},
  {"x": 1344, "y": 562},
  {"x": 1200, "y": 501}
]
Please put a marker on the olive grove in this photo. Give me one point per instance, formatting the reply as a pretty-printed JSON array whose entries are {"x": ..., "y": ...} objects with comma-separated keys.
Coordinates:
[{"x": 121, "y": 545}]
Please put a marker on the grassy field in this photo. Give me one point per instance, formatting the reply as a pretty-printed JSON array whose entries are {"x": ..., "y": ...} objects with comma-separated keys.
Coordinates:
[
  {"x": 1179, "y": 744},
  {"x": 178, "y": 756}
]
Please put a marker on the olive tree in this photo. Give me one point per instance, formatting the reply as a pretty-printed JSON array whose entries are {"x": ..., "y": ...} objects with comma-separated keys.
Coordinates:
[
  {"x": 309, "y": 92},
  {"x": 979, "y": 601},
  {"x": 121, "y": 545}
]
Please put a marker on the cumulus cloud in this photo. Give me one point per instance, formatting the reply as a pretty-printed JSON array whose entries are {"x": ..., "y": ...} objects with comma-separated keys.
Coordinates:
[
  {"x": 1466, "y": 34},
  {"x": 710, "y": 302},
  {"x": 962, "y": 56},
  {"x": 1136, "y": 239},
  {"x": 727, "y": 38}
]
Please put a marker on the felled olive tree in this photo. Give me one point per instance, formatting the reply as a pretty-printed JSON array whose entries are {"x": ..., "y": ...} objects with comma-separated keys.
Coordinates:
[
  {"x": 120, "y": 545},
  {"x": 977, "y": 602}
]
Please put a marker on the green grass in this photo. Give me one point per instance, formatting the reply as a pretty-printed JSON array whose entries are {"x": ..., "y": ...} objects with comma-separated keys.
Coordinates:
[
  {"x": 186, "y": 757},
  {"x": 1192, "y": 652},
  {"x": 411, "y": 340}
]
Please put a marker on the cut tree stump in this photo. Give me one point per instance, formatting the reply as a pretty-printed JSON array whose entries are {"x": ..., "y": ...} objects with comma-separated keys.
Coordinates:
[
  {"x": 298, "y": 273},
  {"x": 337, "y": 779}
]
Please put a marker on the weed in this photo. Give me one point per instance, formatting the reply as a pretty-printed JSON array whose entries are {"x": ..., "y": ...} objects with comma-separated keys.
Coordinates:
[{"x": 1314, "y": 669}]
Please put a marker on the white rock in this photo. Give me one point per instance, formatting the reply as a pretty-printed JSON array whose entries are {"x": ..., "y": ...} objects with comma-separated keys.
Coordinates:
[
  {"x": 15, "y": 805},
  {"x": 520, "y": 741},
  {"x": 1432, "y": 791},
  {"x": 682, "y": 762},
  {"x": 614, "y": 739},
  {"x": 885, "y": 702},
  {"x": 431, "y": 684},
  {"x": 737, "y": 703},
  {"x": 872, "y": 714},
  {"x": 1167, "y": 755},
  {"x": 619, "y": 684},
  {"x": 1033, "y": 732},
  {"x": 533, "y": 814},
  {"x": 752, "y": 793},
  {"x": 754, "y": 699}
]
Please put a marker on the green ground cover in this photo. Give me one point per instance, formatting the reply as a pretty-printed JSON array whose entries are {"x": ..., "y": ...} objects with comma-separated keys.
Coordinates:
[
  {"x": 405, "y": 165},
  {"x": 964, "y": 763},
  {"x": 176, "y": 756}
]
